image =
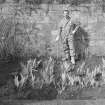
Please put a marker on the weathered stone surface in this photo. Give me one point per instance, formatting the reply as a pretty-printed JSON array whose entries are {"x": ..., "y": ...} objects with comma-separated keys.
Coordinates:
[{"x": 93, "y": 24}]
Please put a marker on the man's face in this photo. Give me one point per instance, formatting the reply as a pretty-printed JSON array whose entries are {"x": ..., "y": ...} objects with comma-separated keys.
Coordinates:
[{"x": 66, "y": 14}]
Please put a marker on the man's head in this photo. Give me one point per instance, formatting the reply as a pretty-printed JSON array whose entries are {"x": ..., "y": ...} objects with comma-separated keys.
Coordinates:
[{"x": 66, "y": 13}]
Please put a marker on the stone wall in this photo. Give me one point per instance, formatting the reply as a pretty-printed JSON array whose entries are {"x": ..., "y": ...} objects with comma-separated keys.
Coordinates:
[
  {"x": 92, "y": 21},
  {"x": 47, "y": 18}
]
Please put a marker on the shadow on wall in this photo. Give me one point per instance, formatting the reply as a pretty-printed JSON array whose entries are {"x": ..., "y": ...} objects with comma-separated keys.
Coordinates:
[{"x": 81, "y": 43}]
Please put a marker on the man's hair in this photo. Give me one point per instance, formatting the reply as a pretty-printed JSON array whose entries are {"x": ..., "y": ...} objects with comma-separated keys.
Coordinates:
[{"x": 66, "y": 10}]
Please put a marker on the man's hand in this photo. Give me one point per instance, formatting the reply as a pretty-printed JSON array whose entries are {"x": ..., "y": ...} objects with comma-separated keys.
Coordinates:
[
  {"x": 73, "y": 32},
  {"x": 59, "y": 34},
  {"x": 57, "y": 38}
]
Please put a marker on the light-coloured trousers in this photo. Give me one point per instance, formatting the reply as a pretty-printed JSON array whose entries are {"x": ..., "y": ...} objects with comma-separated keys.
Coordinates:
[{"x": 68, "y": 46}]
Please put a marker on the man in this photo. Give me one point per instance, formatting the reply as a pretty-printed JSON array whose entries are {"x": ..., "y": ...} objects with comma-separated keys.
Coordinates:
[{"x": 66, "y": 32}]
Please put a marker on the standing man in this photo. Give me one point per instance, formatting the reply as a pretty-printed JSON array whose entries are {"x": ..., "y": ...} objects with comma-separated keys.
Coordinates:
[{"x": 66, "y": 32}]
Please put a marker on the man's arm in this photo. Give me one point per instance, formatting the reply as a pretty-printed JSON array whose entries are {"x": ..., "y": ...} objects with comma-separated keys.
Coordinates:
[{"x": 76, "y": 28}]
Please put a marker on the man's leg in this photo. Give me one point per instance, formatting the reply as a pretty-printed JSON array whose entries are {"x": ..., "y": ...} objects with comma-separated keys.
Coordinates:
[
  {"x": 66, "y": 49},
  {"x": 71, "y": 47}
]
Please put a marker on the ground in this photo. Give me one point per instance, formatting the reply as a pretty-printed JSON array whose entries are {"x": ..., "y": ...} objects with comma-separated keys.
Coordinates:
[
  {"x": 56, "y": 102},
  {"x": 86, "y": 96}
]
